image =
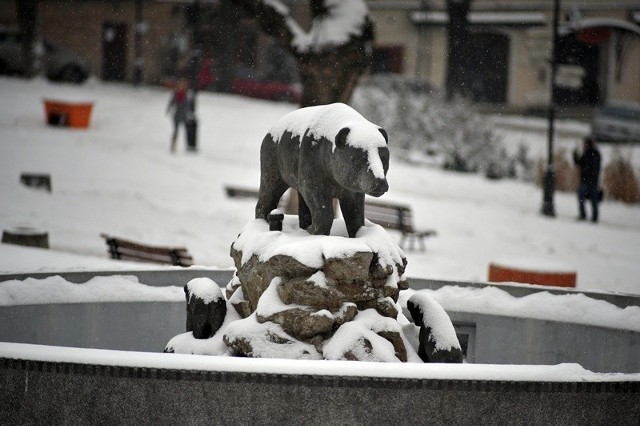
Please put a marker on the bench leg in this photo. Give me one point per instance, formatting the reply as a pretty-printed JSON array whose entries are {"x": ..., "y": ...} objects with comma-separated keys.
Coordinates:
[
  {"x": 410, "y": 240},
  {"x": 414, "y": 241},
  {"x": 403, "y": 240},
  {"x": 113, "y": 249}
]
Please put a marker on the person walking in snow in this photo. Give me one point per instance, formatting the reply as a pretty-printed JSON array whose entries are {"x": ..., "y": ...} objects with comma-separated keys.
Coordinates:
[
  {"x": 181, "y": 103},
  {"x": 589, "y": 165}
]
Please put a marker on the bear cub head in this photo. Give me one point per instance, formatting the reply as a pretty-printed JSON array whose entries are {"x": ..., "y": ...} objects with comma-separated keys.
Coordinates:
[{"x": 361, "y": 160}]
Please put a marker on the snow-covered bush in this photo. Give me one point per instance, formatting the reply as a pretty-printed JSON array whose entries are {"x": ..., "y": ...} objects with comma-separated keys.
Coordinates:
[
  {"x": 566, "y": 175},
  {"x": 423, "y": 127},
  {"x": 620, "y": 181}
]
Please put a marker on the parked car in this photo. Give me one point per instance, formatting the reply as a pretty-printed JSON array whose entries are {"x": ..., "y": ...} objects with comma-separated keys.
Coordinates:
[
  {"x": 57, "y": 63},
  {"x": 271, "y": 90},
  {"x": 617, "y": 122}
]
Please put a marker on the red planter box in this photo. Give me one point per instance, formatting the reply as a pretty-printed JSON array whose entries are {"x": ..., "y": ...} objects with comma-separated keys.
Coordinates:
[
  {"x": 500, "y": 273},
  {"x": 72, "y": 114}
]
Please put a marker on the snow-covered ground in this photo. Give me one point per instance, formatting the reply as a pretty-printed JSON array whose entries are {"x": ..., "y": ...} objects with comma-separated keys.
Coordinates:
[
  {"x": 541, "y": 373},
  {"x": 118, "y": 177}
]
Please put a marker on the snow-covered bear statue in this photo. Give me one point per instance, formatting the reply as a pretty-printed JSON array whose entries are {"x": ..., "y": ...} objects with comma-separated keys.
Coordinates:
[{"x": 324, "y": 152}]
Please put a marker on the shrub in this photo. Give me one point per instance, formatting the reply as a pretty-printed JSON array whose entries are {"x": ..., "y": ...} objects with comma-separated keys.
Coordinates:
[
  {"x": 620, "y": 181},
  {"x": 566, "y": 174},
  {"x": 423, "y": 127}
]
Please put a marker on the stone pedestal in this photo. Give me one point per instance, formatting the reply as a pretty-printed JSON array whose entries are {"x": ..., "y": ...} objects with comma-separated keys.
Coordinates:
[
  {"x": 311, "y": 286},
  {"x": 301, "y": 296}
]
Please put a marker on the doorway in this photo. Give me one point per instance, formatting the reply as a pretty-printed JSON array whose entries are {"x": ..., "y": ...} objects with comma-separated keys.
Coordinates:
[
  {"x": 573, "y": 52},
  {"x": 114, "y": 51},
  {"x": 488, "y": 67}
]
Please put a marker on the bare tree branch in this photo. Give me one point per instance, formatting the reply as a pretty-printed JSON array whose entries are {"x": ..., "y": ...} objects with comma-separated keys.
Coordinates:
[
  {"x": 332, "y": 55},
  {"x": 273, "y": 18}
]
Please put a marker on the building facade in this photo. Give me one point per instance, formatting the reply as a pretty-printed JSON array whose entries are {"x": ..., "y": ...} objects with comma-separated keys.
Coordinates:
[
  {"x": 511, "y": 43},
  {"x": 508, "y": 63}
]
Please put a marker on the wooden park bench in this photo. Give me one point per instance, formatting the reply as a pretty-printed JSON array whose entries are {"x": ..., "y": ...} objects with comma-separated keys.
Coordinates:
[
  {"x": 239, "y": 192},
  {"x": 398, "y": 217},
  {"x": 129, "y": 250},
  {"x": 388, "y": 215}
]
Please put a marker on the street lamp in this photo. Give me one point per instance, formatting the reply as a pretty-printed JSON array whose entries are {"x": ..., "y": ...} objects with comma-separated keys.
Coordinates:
[
  {"x": 139, "y": 61},
  {"x": 548, "y": 208}
]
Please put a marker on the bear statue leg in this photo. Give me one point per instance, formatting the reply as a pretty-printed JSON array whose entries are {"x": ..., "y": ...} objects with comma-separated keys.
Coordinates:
[
  {"x": 352, "y": 206},
  {"x": 269, "y": 196},
  {"x": 321, "y": 208},
  {"x": 304, "y": 214}
]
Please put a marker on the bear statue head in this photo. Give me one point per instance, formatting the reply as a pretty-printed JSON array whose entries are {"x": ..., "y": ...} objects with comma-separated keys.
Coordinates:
[{"x": 361, "y": 160}]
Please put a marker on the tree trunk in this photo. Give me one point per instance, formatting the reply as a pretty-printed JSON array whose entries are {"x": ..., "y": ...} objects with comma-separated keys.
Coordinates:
[
  {"x": 27, "y": 21},
  {"x": 327, "y": 75},
  {"x": 226, "y": 36},
  {"x": 458, "y": 48},
  {"x": 330, "y": 76}
]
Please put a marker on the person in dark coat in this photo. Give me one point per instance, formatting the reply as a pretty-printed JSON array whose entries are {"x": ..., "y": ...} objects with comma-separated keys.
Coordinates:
[
  {"x": 589, "y": 165},
  {"x": 181, "y": 103}
]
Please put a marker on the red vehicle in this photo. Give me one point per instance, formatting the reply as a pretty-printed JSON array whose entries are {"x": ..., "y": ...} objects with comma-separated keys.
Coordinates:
[
  {"x": 252, "y": 87},
  {"x": 271, "y": 90}
]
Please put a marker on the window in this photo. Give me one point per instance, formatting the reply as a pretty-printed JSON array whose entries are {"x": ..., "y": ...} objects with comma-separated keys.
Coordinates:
[
  {"x": 387, "y": 59},
  {"x": 467, "y": 337}
]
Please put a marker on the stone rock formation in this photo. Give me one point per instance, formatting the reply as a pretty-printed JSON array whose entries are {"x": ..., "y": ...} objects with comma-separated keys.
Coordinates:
[
  {"x": 438, "y": 340},
  {"x": 311, "y": 300},
  {"x": 206, "y": 307},
  {"x": 300, "y": 296}
]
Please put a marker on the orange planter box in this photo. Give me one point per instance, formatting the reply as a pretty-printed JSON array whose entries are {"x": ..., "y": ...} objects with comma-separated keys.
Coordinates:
[
  {"x": 500, "y": 273},
  {"x": 72, "y": 114}
]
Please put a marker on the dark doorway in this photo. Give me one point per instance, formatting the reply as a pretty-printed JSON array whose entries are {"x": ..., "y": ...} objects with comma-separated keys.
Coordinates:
[
  {"x": 571, "y": 51},
  {"x": 114, "y": 51},
  {"x": 488, "y": 67},
  {"x": 387, "y": 59}
]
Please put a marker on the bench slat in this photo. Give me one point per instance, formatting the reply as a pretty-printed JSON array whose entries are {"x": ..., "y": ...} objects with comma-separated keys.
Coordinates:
[
  {"x": 130, "y": 250},
  {"x": 236, "y": 192},
  {"x": 128, "y": 244},
  {"x": 163, "y": 261},
  {"x": 156, "y": 255},
  {"x": 398, "y": 217},
  {"x": 388, "y": 215}
]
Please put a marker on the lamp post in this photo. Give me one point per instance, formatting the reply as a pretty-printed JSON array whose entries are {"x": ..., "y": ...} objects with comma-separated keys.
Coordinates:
[
  {"x": 548, "y": 208},
  {"x": 139, "y": 61}
]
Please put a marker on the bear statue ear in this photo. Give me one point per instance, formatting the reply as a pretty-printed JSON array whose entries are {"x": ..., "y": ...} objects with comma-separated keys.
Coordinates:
[
  {"x": 341, "y": 137},
  {"x": 384, "y": 135}
]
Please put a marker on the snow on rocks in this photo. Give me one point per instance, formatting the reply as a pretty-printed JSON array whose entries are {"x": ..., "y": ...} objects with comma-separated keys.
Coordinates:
[
  {"x": 367, "y": 338},
  {"x": 311, "y": 286},
  {"x": 438, "y": 340},
  {"x": 206, "y": 307},
  {"x": 249, "y": 337},
  {"x": 364, "y": 270},
  {"x": 313, "y": 297},
  {"x": 205, "y": 289},
  {"x": 187, "y": 343}
]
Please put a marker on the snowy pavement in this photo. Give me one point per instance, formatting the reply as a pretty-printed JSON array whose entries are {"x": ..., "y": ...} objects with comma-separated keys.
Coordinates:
[{"x": 118, "y": 177}]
